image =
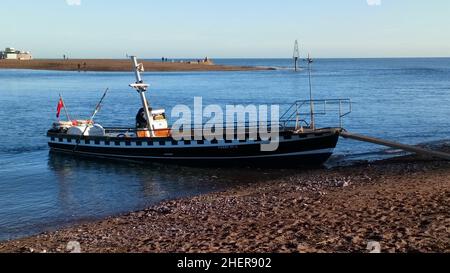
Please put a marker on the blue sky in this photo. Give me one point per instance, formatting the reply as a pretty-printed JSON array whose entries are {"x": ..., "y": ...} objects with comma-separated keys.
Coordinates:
[{"x": 227, "y": 28}]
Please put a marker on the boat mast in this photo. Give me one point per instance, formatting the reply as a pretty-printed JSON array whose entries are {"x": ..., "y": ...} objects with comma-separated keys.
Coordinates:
[
  {"x": 313, "y": 121},
  {"x": 296, "y": 55},
  {"x": 141, "y": 88}
]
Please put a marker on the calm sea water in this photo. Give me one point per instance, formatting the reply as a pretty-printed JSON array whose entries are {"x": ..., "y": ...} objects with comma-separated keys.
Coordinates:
[{"x": 400, "y": 99}]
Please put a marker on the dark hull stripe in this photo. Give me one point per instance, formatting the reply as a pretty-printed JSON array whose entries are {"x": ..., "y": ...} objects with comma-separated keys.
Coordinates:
[
  {"x": 307, "y": 150},
  {"x": 328, "y": 142},
  {"x": 269, "y": 156},
  {"x": 284, "y": 161}
]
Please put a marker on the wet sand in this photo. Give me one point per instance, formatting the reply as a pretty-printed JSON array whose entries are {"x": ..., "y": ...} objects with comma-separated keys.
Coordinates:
[
  {"x": 402, "y": 204},
  {"x": 116, "y": 65}
]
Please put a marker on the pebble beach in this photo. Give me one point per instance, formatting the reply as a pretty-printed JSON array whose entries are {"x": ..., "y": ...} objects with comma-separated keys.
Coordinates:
[{"x": 397, "y": 205}]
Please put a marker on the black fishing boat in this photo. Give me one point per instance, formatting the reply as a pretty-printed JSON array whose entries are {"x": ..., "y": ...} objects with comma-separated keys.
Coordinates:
[{"x": 299, "y": 143}]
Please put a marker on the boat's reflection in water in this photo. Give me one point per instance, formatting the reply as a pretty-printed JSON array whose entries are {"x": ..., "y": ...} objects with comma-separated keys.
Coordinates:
[{"x": 90, "y": 187}]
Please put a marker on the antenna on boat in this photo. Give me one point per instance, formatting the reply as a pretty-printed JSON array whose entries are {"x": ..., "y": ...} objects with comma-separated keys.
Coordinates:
[
  {"x": 141, "y": 88},
  {"x": 296, "y": 55},
  {"x": 99, "y": 105},
  {"x": 313, "y": 121}
]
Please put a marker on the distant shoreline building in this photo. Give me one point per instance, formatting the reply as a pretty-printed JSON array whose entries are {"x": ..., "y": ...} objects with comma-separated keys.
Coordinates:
[{"x": 13, "y": 54}]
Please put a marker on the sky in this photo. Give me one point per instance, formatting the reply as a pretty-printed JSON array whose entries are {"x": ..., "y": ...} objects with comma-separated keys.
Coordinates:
[{"x": 226, "y": 28}]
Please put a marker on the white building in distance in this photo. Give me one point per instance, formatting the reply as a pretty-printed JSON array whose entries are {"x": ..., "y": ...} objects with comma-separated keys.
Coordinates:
[{"x": 12, "y": 54}]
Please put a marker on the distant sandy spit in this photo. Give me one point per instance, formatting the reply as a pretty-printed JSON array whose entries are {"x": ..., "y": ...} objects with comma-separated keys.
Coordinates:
[{"x": 117, "y": 65}]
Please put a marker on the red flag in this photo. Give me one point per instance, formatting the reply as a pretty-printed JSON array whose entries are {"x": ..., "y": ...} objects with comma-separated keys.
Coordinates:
[{"x": 60, "y": 106}]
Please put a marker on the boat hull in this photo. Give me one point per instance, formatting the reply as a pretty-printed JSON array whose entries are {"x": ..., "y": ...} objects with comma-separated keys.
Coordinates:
[{"x": 295, "y": 150}]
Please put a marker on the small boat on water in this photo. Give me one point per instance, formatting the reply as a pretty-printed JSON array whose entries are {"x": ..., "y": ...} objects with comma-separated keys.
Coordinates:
[{"x": 299, "y": 143}]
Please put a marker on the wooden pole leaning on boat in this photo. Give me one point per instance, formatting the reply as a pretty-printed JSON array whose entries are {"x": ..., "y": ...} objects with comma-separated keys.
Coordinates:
[{"x": 392, "y": 144}]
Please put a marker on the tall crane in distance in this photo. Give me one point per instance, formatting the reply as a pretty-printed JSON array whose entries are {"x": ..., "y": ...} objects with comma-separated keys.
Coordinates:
[{"x": 296, "y": 55}]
